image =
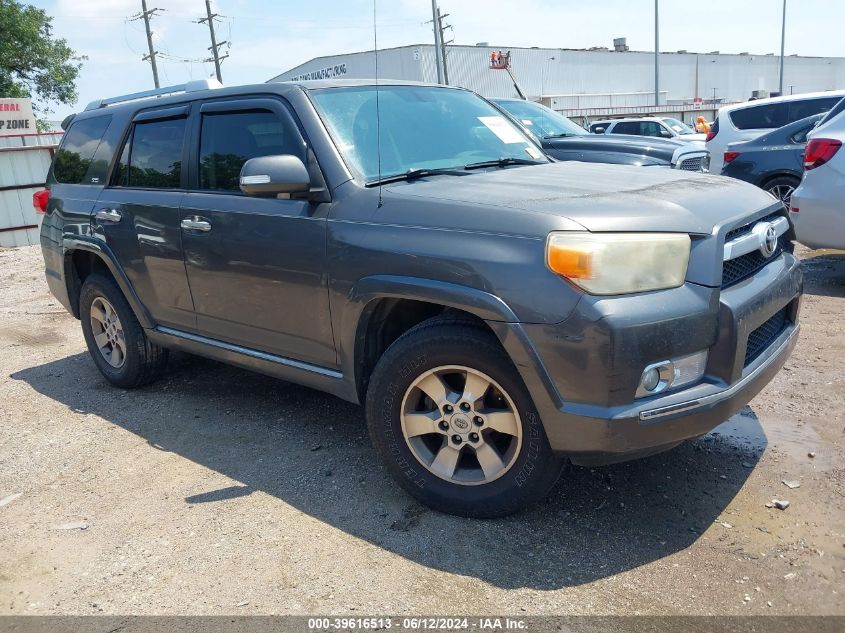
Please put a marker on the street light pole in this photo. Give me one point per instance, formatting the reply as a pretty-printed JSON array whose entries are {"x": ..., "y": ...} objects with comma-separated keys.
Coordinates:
[
  {"x": 656, "y": 55},
  {"x": 438, "y": 45},
  {"x": 782, "y": 44}
]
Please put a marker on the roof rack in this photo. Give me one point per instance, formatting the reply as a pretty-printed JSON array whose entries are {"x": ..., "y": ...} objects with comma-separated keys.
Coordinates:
[{"x": 191, "y": 86}]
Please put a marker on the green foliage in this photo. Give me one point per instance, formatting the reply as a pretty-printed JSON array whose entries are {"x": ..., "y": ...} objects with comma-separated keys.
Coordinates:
[{"x": 32, "y": 62}]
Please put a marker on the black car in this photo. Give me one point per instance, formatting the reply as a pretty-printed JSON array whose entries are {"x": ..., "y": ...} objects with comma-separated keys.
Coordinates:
[
  {"x": 407, "y": 247},
  {"x": 774, "y": 161},
  {"x": 564, "y": 140}
]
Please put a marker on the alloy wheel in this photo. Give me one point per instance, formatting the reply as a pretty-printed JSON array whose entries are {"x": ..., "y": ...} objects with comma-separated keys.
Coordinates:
[
  {"x": 461, "y": 425},
  {"x": 108, "y": 332}
]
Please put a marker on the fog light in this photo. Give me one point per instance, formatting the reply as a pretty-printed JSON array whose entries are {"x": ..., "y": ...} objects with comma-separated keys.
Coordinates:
[
  {"x": 672, "y": 374},
  {"x": 651, "y": 379}
]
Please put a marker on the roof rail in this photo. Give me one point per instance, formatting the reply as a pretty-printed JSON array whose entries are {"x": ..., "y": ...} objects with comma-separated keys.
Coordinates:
[{"x": 191, "y": 86}]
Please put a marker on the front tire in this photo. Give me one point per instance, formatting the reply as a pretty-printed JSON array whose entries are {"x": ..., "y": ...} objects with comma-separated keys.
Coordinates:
[
  {"x": 453, "y": 423},
  {"x": 115, "y": 338}
]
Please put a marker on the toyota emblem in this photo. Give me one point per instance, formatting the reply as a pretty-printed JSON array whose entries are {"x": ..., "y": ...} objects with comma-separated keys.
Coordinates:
[{"x": 769, "y": 241}]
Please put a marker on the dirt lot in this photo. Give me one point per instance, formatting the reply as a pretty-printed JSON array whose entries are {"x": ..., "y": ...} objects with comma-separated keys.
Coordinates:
[{"x": 218, "y": 491}]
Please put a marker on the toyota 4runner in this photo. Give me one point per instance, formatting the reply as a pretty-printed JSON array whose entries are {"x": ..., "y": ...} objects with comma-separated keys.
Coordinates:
[{"x": 407, "y": 247}]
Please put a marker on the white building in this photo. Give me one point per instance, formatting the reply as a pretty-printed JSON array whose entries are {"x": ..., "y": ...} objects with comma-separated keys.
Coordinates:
[{"x": 592, "y": 83}]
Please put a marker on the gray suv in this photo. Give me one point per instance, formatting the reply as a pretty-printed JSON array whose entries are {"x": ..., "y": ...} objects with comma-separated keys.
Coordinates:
[{"x": 407, "y": 247}]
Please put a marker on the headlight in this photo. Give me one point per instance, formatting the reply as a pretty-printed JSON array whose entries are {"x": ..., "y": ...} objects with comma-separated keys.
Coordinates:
[{"x": 619, "y": 263}]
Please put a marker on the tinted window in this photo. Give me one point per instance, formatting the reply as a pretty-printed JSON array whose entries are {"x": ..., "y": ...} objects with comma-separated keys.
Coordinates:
[
  {"x": 153, "y": 155},
  {"x": 839, "y": 107},
  {"x": 770, "y": 115},
  {"x": 74, "y": 162},
  {"x": 650, "y": 128},
  {"x": 228, "y": 140},
  {"x": 627, "y": 127},
  {"x": 809, "y": 107}
]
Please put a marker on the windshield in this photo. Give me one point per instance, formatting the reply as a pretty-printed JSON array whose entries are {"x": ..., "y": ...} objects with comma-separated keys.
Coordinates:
[
  {"x": 679, "y": 127},
  {"x": 419, "y": 128},
  {"x": 541, "y": 121}
]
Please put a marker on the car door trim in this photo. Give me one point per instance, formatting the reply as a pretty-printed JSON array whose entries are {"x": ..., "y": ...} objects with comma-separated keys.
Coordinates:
[{"x": 248, "y": 351}]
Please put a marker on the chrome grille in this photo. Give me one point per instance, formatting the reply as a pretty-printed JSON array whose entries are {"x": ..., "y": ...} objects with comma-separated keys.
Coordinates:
[
  {"x": 735, "y": 270},
  {"x": 692, "y": 164},
  {"x": 743, "y": 254}
]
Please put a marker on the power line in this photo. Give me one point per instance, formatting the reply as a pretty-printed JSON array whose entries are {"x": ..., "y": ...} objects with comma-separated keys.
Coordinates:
[{"x": 146, "y": 15}]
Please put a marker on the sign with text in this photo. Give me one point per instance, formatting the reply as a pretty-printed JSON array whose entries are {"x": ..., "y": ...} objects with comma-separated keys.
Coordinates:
[{"x": 16, "y": 117}]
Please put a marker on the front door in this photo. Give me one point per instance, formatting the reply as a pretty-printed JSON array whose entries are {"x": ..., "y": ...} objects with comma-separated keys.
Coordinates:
[{"x": 256, "y": 266}]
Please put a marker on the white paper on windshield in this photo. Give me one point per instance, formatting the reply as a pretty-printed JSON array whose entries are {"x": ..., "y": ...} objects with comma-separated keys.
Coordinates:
[
  {"x": 501, "y": 128},
  {"x": 532, "y": 152}
]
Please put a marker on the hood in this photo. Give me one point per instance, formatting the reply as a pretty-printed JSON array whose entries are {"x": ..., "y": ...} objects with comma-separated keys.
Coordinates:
[
  {"x": 602, "y": 197},
  {"x": 661, "y": 149}
]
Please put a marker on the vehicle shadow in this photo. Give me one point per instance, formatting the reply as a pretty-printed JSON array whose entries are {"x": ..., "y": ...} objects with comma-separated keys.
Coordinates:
[
  {"x": 824, "y": 273},
  {"x": 311, "y": 451}
]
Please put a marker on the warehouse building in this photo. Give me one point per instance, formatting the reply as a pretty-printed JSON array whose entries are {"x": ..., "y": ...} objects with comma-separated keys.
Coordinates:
[{"x": 600, "y": 82}]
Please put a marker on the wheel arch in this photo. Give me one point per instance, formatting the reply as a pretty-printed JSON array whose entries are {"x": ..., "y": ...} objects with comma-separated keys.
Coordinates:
[
  {"x": 82, "y": 258},
  {"x": 784, "y": 173},
  {"x": 382, "y": 308}
]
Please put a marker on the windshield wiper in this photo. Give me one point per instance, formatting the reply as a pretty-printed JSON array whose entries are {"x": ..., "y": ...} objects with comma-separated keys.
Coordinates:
[
  {"x": 561, "y": 135},
  {"x": 414, "y": 174},
  {"x": 503, "y": 162}
]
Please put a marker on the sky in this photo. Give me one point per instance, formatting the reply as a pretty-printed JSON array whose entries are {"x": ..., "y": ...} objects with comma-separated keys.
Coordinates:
[{"x": 267, "y": 37}]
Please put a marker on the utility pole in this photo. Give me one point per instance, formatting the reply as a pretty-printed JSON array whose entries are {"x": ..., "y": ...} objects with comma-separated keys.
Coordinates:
[
  {"x": 443, "y": 44},
  {"x": 215, "y": 46},
  {"x": 656, "y": 55},
  {"x": 438, "y": 43},
  {"x": 782, "y": 44},
  {"x": 146, "y": 15}
]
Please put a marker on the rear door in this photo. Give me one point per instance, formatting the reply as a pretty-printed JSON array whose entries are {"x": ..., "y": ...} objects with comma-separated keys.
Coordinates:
[
  {"x": 256, "y": 266},
  {"x": 138, "y": 214}
]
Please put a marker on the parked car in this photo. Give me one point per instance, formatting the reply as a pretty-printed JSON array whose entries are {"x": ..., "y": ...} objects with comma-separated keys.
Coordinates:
[
  {"x": 652, "y": 126},
  {"x": 407, "y": 247},
  {"x": 564, "y": 140},
  {"x": 774, "y": 161},
  {"x": 818, "y": 205},
  {"x": 746, "y": 121}
]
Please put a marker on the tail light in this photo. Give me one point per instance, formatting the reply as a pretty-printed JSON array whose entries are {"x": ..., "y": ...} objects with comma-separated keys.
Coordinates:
[
  {"x": 819, "y": 151},
  {"x": 714, "y": 130},
  {"x": 730, "y": 156},
  {"x": 40, "y": 200}
]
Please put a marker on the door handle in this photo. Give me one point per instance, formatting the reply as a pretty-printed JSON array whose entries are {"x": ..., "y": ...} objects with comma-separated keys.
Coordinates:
[
  {"x": 196, "y": 223},
  {"x": 109, "y": 216}
]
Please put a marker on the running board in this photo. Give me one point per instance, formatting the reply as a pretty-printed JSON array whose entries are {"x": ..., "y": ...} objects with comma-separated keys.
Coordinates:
[{"x": 306, "y": 374}]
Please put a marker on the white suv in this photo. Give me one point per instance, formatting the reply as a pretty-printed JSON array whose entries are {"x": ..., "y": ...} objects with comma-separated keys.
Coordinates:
[
  {"x": 745, "y": 121},
  {"x": 817, "y": 208},
  {"x": 658, "y": 126}
]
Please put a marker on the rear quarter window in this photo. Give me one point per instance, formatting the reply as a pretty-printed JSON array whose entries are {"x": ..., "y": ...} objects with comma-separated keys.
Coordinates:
[
  {"x": 77, "y": 160},
  {"x": 761, "y": 117}
]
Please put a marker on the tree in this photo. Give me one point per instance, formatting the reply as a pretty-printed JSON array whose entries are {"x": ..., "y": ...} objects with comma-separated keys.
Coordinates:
[{"x": 32, "y": 62}]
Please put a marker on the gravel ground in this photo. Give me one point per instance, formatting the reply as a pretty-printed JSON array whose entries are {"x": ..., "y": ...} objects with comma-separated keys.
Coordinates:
[{"x": 218, "y": 491}]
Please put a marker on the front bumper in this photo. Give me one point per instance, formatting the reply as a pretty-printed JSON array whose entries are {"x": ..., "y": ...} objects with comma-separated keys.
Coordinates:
[{"x": 583, "y": 383}]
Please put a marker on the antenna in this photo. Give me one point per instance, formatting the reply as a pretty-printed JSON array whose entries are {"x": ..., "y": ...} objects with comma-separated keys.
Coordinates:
[{"x": 378, "y": 113}]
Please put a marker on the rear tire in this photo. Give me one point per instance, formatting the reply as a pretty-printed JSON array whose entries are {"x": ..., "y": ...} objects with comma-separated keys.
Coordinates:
[
  {"x": 115, "y": 338},
  {"x": 487, "y": 459},
  {"x": 782, "y": 188}
]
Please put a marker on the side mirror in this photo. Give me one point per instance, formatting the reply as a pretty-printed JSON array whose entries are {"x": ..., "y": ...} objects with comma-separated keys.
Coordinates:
[
  {"x": 272, "y": 175},
  {"x": 598, "y": 130},
  {"x": 666, "y": 134}
]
